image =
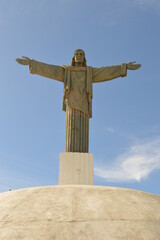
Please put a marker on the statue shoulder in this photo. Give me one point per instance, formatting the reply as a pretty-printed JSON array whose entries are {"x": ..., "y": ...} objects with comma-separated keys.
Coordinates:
[{"x": 66, "y": 66}]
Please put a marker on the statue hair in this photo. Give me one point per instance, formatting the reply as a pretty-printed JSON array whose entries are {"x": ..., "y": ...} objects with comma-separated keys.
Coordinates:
[{"x": 73, "y": 60}]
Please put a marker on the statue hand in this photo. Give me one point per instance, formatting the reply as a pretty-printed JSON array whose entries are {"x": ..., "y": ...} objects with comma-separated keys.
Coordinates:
[
  {"x": 133, "y": 66},
  {"x": 23, "y": 60}
]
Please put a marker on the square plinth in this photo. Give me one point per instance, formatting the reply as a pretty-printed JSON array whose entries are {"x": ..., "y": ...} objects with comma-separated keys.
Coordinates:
[{"x": 76, "y": 168}]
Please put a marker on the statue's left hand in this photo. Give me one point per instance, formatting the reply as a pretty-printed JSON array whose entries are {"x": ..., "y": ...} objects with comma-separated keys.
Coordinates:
[
  {"x": 133, "y": 66},
  {"x": 23, "y": 60}
]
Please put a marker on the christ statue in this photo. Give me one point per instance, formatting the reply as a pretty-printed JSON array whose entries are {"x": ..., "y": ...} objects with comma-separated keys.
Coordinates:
[{"x": 77, "y": 82}]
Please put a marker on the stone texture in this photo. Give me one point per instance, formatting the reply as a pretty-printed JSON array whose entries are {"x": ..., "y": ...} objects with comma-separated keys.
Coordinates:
[
  {"x": 79, "y": 213},
  {"x": 76, "y": 168}
]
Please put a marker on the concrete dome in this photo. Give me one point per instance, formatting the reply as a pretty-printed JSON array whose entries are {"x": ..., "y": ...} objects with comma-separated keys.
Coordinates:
[{"x": 79, "y": 213}]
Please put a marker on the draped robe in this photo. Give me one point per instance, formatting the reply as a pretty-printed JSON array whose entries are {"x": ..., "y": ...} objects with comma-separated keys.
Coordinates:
[{"x": 77, "y": 96}]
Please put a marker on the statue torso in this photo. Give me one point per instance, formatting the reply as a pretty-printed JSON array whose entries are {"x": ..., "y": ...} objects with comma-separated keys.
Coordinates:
[{"x": 77, "y": 98}]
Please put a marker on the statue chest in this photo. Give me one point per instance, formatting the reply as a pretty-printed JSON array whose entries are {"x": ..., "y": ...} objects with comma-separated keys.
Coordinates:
[{"x": 78, "y": 80}]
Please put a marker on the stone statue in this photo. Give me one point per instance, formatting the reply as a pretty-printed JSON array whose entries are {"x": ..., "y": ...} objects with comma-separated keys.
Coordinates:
[{"x": 77, "y": 92}]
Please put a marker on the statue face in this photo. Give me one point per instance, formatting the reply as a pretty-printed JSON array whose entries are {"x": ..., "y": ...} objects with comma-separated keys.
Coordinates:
[{"x": 79, "y": 56}]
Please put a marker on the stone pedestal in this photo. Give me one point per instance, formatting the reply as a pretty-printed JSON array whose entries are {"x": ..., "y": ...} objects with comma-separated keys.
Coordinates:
[{"x": 76, "y": 168}]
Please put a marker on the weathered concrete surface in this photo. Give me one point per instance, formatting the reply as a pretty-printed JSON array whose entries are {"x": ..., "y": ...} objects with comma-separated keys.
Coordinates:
[
  {"x": 79, "y": 213},
  {"x": 76, "y": 168}
]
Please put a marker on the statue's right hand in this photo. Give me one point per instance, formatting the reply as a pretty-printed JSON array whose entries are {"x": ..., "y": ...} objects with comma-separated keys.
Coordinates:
[{"x": 23, "y": 60}]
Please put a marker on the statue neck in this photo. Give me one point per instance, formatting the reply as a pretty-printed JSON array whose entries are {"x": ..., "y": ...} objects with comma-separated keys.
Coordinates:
[{"x": 78, "y": 64}]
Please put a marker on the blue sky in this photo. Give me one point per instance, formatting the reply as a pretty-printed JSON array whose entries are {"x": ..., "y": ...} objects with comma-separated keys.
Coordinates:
[{"x": 125, "y": 128}]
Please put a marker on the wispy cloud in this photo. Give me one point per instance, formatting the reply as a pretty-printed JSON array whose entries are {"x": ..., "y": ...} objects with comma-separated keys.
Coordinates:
[
  {"x": 147, "y": 2},
  {"x": 107, "y": 13},
  {"x": 10, "y": 175},
  {"x": 109, "y": 129},
  {"x": 12, "y": 180},
  {"x": 134, "y": 165}
]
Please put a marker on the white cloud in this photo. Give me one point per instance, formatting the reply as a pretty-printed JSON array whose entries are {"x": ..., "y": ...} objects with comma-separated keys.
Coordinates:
[
  {"x": 134, "y": 165},
  {"x": 147, "y": 2},
  {"x": 109, "y": 129}
]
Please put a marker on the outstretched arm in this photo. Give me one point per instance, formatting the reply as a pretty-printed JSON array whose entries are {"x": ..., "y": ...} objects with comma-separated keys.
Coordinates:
[
  {"x": 43, "y": 69},
  {"x": 108, "y": 73}
]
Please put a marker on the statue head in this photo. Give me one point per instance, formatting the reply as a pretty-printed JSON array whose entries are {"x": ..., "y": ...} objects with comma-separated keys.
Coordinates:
[{"x": 79, "y": 57}]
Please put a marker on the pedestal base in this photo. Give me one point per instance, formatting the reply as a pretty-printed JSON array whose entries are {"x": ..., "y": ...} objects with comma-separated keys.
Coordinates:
[{"x": 76, "y": 168}]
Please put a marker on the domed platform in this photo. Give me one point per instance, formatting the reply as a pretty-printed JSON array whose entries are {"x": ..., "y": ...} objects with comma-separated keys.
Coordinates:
[{"x": 79, "y": 213}]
